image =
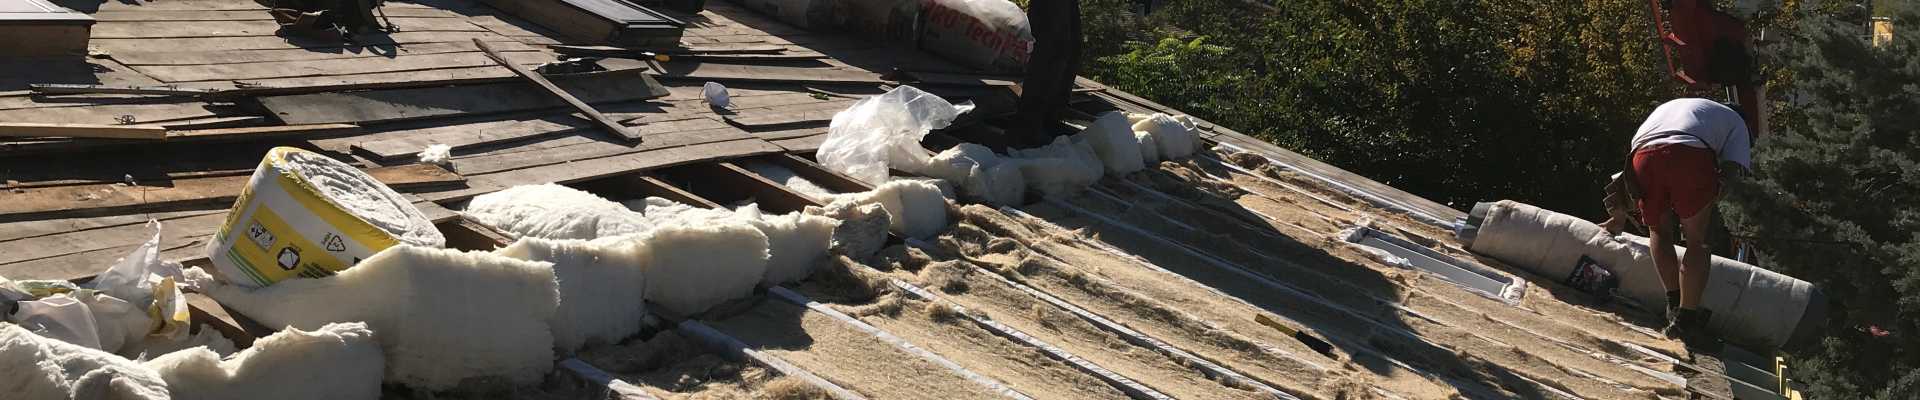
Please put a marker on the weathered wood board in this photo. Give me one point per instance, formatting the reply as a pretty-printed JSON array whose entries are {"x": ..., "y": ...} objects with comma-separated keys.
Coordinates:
[{"x": 405, "y": 104}]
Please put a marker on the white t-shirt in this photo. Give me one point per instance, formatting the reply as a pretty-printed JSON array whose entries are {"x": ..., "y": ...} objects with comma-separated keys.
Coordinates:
[{"x": 1699, "y": 123}]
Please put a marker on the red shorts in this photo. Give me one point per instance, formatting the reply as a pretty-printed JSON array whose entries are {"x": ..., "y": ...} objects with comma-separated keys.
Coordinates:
[{"x": 1674, "y": 177}]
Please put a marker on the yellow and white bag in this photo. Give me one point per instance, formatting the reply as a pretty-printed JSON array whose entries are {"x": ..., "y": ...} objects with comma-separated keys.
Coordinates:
[{"x": 307, "y": 215}]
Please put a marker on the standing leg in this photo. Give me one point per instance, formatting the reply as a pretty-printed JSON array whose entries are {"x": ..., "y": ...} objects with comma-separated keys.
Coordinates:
[
  {"x": 1660, "y": 240},
  {"x": 1698, "y": 261},
  {"x": 1656, "y": 212},
  {"x": 1051, "y": 69}
]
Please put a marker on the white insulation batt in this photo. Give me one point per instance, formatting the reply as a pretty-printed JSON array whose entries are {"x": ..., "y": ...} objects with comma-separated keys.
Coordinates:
[
  {"x": 1061, "y": 168},
  {"x": 1750, "y": 305},
  {"x": 34, "y": 367},
  {"x": 794, "y": 242},
  {"x": 441, "y": 315},
  {"x": 337, "y": 361},
  {"x": 1172, "y": 136},
  {"x": 787, "y": 177},
  {"x": 1112, "y": 139},
  {"x": 980, "y": 174},
  {"x": 365, "y": 197},
  {"x": 1149, "y": 148},
  {"x": 698, "y": 266},
  {"x": 914, "y": 208},
  {"x": 552, "y": 211},
  {"x": 602, "y": 287}
]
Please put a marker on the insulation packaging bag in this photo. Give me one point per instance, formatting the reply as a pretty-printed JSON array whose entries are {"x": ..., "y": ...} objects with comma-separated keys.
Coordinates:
[
  {"x": 306, "y": 215},
  {"x": 991, "y": 35}
]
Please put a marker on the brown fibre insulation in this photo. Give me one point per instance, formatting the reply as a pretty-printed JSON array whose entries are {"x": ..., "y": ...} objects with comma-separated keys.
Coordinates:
[
  {"x": 846, "y": 356},
  {"x": 1282, "y": 245},
  {"x": 938, "y": 329},
  {"x": 670, "y": 367},
  {"x": 959, "y": 282}
]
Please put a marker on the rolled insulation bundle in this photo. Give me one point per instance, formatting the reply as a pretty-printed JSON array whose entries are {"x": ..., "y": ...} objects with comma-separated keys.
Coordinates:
[
  {"x": 306, "y": 215},
  {"x": 1751, "y": 306}
]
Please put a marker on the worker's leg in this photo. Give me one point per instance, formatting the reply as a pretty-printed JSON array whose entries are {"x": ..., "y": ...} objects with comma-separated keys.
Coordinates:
[
  {"x": 1051, "y": 68},
  {"x": 1652, "y": 174},
  {"x": 1661, "y": 239},
  {"x": 1698, "y": 260}
]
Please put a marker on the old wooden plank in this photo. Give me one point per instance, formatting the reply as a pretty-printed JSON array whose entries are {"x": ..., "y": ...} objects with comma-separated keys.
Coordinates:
[
  {"x": 512, "y": 27},
  {"x": 764, "y": 73},
  {"x": 803, "y": 144},
  {"x": 468, "y": 136},
  {"x": 788, "y": 116},
  {"x": 404, "y": 104},
  {"x": 276, "y": 42},
  {"x": 69, "y": 255},
  {"x": 583, "y": 169},
  {"x": 792, "y": 133},
  {"x": 73, "y": 130},
  {"x": 404, "y": 143},
  {"x": 113, "y": 199},
  {"x": 351, "y": 66},
  {"x": 259, "y": 14},
  {"x": 113, "y": 113},
  {"x": 164, "y": 57},
  {"x": 609, "y": 124},
  {"x": 18, "y": 72},
  {"x": 380, "y": 80},
  {"x": 564, "y": 149},
  {"x": 179, "y": 137},
  {"x": 11, "y": 231},
  {"x": 207, "y": 29}
]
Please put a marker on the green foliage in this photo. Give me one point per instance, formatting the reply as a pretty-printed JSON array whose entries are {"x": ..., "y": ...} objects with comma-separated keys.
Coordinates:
[
  {"x": 1475, "y": 100},
  {"x": 1843, "y": 164},
  {"x": 1433, "y": 96}
]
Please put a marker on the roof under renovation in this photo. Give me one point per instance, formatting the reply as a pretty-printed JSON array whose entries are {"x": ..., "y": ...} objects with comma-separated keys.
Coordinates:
[{"x": 1188, "y": 279}]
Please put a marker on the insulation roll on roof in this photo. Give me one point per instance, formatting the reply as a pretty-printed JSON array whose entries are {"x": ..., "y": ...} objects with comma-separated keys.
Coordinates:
[
  {"x": 550, "y": 211},
  {"x": 306, "y": 215},
  {"x": 340, "y": 361},
  {"x": 1751, "y": 306}
]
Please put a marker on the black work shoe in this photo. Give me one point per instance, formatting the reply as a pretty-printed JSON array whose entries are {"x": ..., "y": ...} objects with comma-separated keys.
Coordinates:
[{"x": 1690, "y": 327}]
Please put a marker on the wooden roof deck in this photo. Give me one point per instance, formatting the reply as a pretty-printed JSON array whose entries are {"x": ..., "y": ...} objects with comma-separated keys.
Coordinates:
[{"x": 230, "y": 46}]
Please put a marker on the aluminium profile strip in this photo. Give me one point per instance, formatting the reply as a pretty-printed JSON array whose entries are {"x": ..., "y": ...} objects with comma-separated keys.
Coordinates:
[
  {"x": 735, "y": 349},
  {"x": 992, "y": 385},
  {"x": 609, "y": 387},
  {"x": 1289, "y": 288},
  {"x": 1208, "y": 367},
  {"x": 1377, "y": 200},
  {"x": 1133, "y": 389}
]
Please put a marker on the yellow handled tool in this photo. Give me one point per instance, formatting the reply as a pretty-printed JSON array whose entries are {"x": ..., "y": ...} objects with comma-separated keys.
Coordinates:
[{"x": 1314, "y": 343}]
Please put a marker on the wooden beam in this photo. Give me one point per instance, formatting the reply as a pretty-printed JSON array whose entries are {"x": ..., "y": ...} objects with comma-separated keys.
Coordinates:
[
  {"x": 640, "y": 185},
  {"x": 818, "y": 174},
  {"x": 184, "y": 136},
  {"x": 210, "y": 314},
  {"x": 116, "y": 198},
  {"x": 30, "y": 129},
  {"x": 606, "y": 123},
  {"x": 729, "y": 182},
  {"x": 465, "y": 233}
]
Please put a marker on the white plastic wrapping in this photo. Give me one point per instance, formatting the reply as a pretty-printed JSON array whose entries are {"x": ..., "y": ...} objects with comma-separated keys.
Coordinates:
[{"x": 878, "y": 132}]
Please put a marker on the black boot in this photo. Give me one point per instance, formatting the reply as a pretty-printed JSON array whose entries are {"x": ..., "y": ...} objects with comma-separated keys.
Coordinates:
[
  {"x": 1690, "y": 327},
  {"x": 1673, "y": 312}
]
